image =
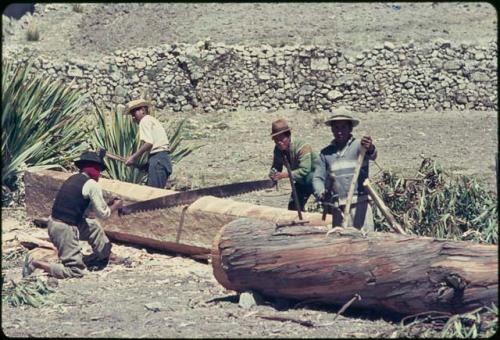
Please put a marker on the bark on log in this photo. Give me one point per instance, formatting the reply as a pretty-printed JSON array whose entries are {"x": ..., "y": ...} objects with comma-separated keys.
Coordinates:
[
  {"x": 391, "y": 272},
  {"x": 158, "y": 229}
]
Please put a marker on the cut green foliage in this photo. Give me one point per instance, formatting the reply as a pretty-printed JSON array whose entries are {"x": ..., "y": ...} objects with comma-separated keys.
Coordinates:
[
  {"x": 479, "y": 323},
  {"x": 14, "y": 254},
  {"x": 438, "y": 205},
  {"x": 28, "y": 291},
  {"x": 40, "y": 122},
  {"x": 119, "y": 135}
]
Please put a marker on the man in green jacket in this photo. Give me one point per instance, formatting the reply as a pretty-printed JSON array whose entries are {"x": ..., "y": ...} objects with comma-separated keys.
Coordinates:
[{"x": 300, "y": 157}]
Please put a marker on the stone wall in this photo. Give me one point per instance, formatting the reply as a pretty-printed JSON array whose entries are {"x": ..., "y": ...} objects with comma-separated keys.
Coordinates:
[{"x": 208, "y": 77}]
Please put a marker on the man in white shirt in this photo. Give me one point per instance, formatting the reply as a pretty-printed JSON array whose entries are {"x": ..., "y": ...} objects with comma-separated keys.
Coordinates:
[
  {"x": 68, "y": 223},
  {"x": 154, "y": 140}
]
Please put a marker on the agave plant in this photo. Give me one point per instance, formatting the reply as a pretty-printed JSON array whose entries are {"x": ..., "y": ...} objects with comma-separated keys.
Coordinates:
[
  {"x": 120, "y": 136},
  {"x": 40, "y": 122}
]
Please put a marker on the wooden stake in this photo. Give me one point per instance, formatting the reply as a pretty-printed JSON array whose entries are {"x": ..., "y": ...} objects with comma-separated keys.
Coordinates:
[
  {"x": 383, "y": 208},
  {"x": 292, "y": 184},
  {"x": 354, "y": 181},
  {"x": 344, "y": 307}
]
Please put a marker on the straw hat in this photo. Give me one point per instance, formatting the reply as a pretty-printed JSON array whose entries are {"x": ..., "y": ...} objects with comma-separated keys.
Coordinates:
[
  {"x": 279, "y": 126},
  {"x": 89, "y": 156},
  {"x": 341, "y": 113},
  {"x": 134, "y": 104}
]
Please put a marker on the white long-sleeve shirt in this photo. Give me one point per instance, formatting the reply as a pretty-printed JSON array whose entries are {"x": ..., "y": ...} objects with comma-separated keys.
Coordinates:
[{"x": 91, "y": 189}]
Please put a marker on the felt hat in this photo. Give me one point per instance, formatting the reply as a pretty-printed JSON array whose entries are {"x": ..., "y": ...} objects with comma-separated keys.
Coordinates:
[
  {"x": 279, "y": 126},
  {"x": 90, "y": 157},
  {"x": 134, "y": 104},
  {"x": 341, "y": 113}
]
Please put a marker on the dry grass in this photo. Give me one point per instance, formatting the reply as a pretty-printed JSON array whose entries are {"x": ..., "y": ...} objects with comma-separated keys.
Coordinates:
[
  {"x": 33, "y": 33},
  {"x": 78, "y": 8}
]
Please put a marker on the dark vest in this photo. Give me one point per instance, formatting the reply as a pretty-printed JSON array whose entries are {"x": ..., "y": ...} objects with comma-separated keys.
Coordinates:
[{"x": 70, "y": 204}]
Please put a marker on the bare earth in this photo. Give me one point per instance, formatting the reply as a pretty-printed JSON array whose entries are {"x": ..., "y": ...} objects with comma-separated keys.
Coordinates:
[{"x": 162, "y": 295}]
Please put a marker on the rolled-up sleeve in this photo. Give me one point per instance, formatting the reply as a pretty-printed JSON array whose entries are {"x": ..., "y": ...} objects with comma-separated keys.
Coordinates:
[{"x": 93, "y": 191}]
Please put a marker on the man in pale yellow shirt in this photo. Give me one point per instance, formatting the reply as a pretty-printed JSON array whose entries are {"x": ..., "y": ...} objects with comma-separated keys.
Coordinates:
[{"x": 154, "y": 140}]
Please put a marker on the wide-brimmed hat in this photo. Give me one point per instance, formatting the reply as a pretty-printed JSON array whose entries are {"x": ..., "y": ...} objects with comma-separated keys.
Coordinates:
[
  {"x": 89, "y": 156},
  {"x": 341, "y": 113},
  {"x": 279, "y": 126},
  {"x": 134, "y": 104}
]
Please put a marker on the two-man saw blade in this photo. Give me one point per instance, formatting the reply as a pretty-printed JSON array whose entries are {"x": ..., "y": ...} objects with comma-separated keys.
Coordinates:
[{"x": 189, "y": 197}]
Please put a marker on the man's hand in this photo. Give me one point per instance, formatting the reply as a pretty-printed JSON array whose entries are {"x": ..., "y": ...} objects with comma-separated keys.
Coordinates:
[
  {"x": 112, "y": 200},
  {"x": 321, "y": 197},
  {"x": 279, "y": 175},
  {"x": 117, "y": 204},
  {"x": 130, "y": 161},
  {"x": 367, "y": 143}
]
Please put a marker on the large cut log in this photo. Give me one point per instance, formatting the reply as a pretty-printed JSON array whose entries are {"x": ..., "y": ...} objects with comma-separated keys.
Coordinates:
[
  {"x": 160, "y": 229},
  {"x": 391, "y": 272}
]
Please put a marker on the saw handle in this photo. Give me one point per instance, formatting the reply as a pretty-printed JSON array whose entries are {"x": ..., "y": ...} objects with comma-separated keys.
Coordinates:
[{"x": 142, "y": 167}]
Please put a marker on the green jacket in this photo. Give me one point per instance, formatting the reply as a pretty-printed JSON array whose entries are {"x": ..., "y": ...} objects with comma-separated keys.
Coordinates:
[{"x": 302, "y": 161}]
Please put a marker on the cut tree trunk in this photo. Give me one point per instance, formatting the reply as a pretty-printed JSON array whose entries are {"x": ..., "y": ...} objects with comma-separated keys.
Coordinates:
[
  {"x": 391, "y": 272},
  {"x": 158, "y": 229}
]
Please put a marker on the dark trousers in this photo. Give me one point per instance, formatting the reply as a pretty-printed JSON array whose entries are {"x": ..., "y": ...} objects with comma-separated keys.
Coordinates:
[
  {"x": 303, "y": 193},
  {"x": 159, "y": 170}
]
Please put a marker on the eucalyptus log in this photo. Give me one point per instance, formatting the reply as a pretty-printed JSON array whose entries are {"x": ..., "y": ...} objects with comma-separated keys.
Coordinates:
[
  {"x": 163, "y": 229},
  {"x": 391, "y": 272}
]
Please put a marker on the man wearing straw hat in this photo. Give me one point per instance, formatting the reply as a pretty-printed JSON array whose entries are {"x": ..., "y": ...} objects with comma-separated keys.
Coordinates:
[
  {"x": 68, "y": 223},
  {"x": 337, "y": 162},
  {"x": 154, "y": 140},
  {"x": 300, "y": 157}
]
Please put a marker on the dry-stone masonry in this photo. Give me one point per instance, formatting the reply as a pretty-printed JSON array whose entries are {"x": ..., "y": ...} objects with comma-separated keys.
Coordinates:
[{"x": 211, "y": 77}]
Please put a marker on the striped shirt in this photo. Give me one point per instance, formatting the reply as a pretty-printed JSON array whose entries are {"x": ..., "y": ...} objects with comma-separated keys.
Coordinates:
[{"x": 341, "y": 164}]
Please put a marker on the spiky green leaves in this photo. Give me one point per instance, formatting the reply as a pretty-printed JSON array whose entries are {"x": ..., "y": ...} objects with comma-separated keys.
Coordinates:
[{"x": 40, "y": 121}]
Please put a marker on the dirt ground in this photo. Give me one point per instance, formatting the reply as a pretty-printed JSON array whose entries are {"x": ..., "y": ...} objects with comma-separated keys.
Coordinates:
[{"x": 163, "y": 295}]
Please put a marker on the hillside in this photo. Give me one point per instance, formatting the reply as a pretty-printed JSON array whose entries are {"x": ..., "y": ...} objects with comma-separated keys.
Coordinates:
[{"x": 102, "y": 28}]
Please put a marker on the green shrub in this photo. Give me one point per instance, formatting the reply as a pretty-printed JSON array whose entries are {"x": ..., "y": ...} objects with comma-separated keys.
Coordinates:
[
  {"x": 40, "y": 122},
  {"x": 435, "y": 204}
]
